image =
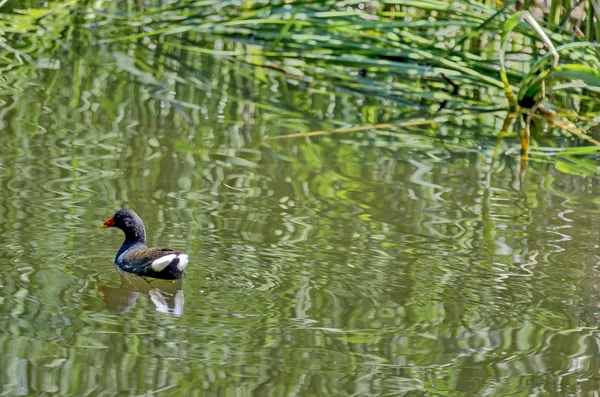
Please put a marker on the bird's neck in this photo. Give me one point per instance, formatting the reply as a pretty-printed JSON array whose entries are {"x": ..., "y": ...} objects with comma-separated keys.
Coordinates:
[{"x": 135, "y": 236}]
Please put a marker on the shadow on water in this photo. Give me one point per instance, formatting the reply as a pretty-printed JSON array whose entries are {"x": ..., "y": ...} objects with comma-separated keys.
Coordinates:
[{"x": 167, "y": 296}]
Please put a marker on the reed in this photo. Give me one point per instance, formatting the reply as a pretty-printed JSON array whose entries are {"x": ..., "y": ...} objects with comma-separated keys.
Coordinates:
[{"x": 445, "y": 58}]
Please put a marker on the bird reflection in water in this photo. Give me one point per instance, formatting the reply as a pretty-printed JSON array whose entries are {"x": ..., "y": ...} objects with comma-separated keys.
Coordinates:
[{"x": 166, "y": 295}]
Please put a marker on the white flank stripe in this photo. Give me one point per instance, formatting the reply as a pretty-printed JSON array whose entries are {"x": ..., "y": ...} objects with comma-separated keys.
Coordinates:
[
  {"x": 160, "y": 264},
  {"x": 183, "y": 260}
]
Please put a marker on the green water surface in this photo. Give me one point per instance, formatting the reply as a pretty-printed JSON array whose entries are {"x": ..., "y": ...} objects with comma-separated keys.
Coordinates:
[{"x": 374, "y": 263}]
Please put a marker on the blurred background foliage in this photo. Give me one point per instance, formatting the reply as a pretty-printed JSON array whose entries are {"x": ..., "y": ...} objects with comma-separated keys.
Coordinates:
[{"x": 417, "y": 59}]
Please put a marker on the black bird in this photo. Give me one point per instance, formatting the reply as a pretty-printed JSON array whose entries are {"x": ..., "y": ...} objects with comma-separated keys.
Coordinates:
[{"x": 135, "y": 257}]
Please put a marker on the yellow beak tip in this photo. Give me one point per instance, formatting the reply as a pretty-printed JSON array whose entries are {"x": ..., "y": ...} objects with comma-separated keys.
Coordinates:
[{"x": 103, "y": 226}]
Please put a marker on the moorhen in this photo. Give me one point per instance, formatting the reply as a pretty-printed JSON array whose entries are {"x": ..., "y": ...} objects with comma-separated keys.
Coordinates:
[{"x": 135, "y": 257}]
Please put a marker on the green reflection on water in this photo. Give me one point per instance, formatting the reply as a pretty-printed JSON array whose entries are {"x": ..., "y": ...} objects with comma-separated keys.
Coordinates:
[{"x": 373, "y": 263}]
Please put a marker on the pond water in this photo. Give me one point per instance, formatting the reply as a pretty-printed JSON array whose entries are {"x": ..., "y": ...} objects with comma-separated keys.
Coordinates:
[{"x": 380, "y": 262}]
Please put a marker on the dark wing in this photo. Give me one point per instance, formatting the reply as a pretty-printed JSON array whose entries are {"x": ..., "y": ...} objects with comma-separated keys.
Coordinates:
[{"x": 140, "y": 260}]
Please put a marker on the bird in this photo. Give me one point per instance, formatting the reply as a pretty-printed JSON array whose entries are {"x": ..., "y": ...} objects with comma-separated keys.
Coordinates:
[{"x": 134, "y": 256}]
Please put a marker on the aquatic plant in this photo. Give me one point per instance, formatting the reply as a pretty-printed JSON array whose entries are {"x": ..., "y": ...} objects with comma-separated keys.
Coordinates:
[{"x": 444, "y": 60}]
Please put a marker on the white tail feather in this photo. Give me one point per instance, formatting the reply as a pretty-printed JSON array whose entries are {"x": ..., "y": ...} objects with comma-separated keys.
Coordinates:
[
  {"x": 160, "y": 264},
  {"x": 183, "y": 260}
]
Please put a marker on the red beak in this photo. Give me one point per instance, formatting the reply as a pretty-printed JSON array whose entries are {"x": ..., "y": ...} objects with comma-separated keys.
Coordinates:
[{"x": 108, "y": 223}]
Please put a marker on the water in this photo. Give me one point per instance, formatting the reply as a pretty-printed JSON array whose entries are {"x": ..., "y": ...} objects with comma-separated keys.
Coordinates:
[{"x": 405, "y": 262}]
